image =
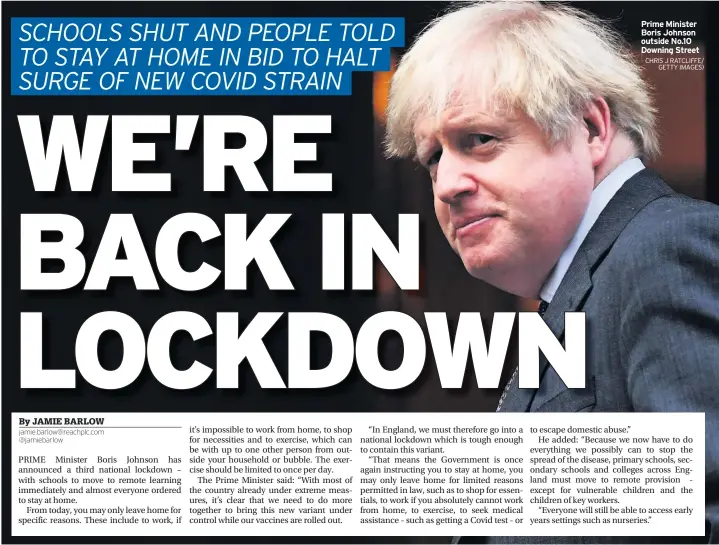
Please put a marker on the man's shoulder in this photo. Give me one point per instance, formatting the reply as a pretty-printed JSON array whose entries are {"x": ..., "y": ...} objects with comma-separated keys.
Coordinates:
[
  {"x": 668, "y": 222},
  {"x": 674, "y": 206}
]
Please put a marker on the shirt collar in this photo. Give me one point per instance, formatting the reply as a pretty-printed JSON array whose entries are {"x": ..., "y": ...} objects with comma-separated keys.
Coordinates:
[{"x": 601, "y": 195}]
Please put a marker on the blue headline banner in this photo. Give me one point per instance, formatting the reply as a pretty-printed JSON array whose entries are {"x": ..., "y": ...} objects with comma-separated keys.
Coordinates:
[{"x": 197, "y": 56}]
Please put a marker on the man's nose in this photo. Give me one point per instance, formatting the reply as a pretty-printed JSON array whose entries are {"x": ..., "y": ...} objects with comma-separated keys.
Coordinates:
[{"x": 454, "y": 180}]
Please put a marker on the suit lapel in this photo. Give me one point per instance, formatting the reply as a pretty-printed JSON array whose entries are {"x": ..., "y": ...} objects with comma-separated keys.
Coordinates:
[{"x": 635, "y": 194}]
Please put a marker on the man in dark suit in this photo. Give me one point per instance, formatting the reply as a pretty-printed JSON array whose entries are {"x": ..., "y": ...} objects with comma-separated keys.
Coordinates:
[{"x": 533, "y": 122}]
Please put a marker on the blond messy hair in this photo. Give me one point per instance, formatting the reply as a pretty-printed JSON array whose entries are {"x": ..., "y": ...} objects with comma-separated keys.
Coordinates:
[{"x": 548, "y": 61}]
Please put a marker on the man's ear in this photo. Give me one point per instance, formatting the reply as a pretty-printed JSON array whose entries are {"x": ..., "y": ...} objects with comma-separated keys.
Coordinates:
[
  {"x": 598, "y": 121},
  {"x": 591, "y": 128}
]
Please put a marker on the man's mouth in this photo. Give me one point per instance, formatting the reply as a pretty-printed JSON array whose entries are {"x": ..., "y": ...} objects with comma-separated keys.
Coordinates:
[{"x": 473, "y": 225}]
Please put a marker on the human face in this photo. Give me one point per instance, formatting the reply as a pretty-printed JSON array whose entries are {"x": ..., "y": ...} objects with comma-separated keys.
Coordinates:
[{"x": 507, "y": 201}]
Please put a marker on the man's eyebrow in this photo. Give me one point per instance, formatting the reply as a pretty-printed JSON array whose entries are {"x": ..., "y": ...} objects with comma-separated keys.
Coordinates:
[{"x": 474, "y": 120}]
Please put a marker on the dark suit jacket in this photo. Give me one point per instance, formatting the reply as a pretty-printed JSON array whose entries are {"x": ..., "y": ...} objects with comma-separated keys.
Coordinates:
[{"x": 647, "y": 279}]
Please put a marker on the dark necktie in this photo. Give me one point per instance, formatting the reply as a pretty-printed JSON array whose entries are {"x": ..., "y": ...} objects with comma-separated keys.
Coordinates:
[{"x": 541, "y": 310}]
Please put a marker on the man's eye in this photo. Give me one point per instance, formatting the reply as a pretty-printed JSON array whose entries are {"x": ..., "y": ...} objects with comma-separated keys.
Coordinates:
[
  {"x": 434, "y": 158},
  {"x": 479, "y": 139}
]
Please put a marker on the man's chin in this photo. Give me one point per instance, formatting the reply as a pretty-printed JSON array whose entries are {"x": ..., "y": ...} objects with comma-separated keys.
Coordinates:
[
  {"x": 501, "y": 275},
  {"x": 481, "y": 269},
  {"x": 490, "y": 269},
  {"x": 478, "y": 257}
]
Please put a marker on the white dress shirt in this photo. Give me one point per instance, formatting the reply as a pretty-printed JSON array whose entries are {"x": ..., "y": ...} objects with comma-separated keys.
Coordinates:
[{"x": 601, "y": 195}]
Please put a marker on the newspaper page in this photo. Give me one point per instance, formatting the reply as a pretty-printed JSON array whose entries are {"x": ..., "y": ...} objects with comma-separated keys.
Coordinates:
[{"x": 360, "y": 272}]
